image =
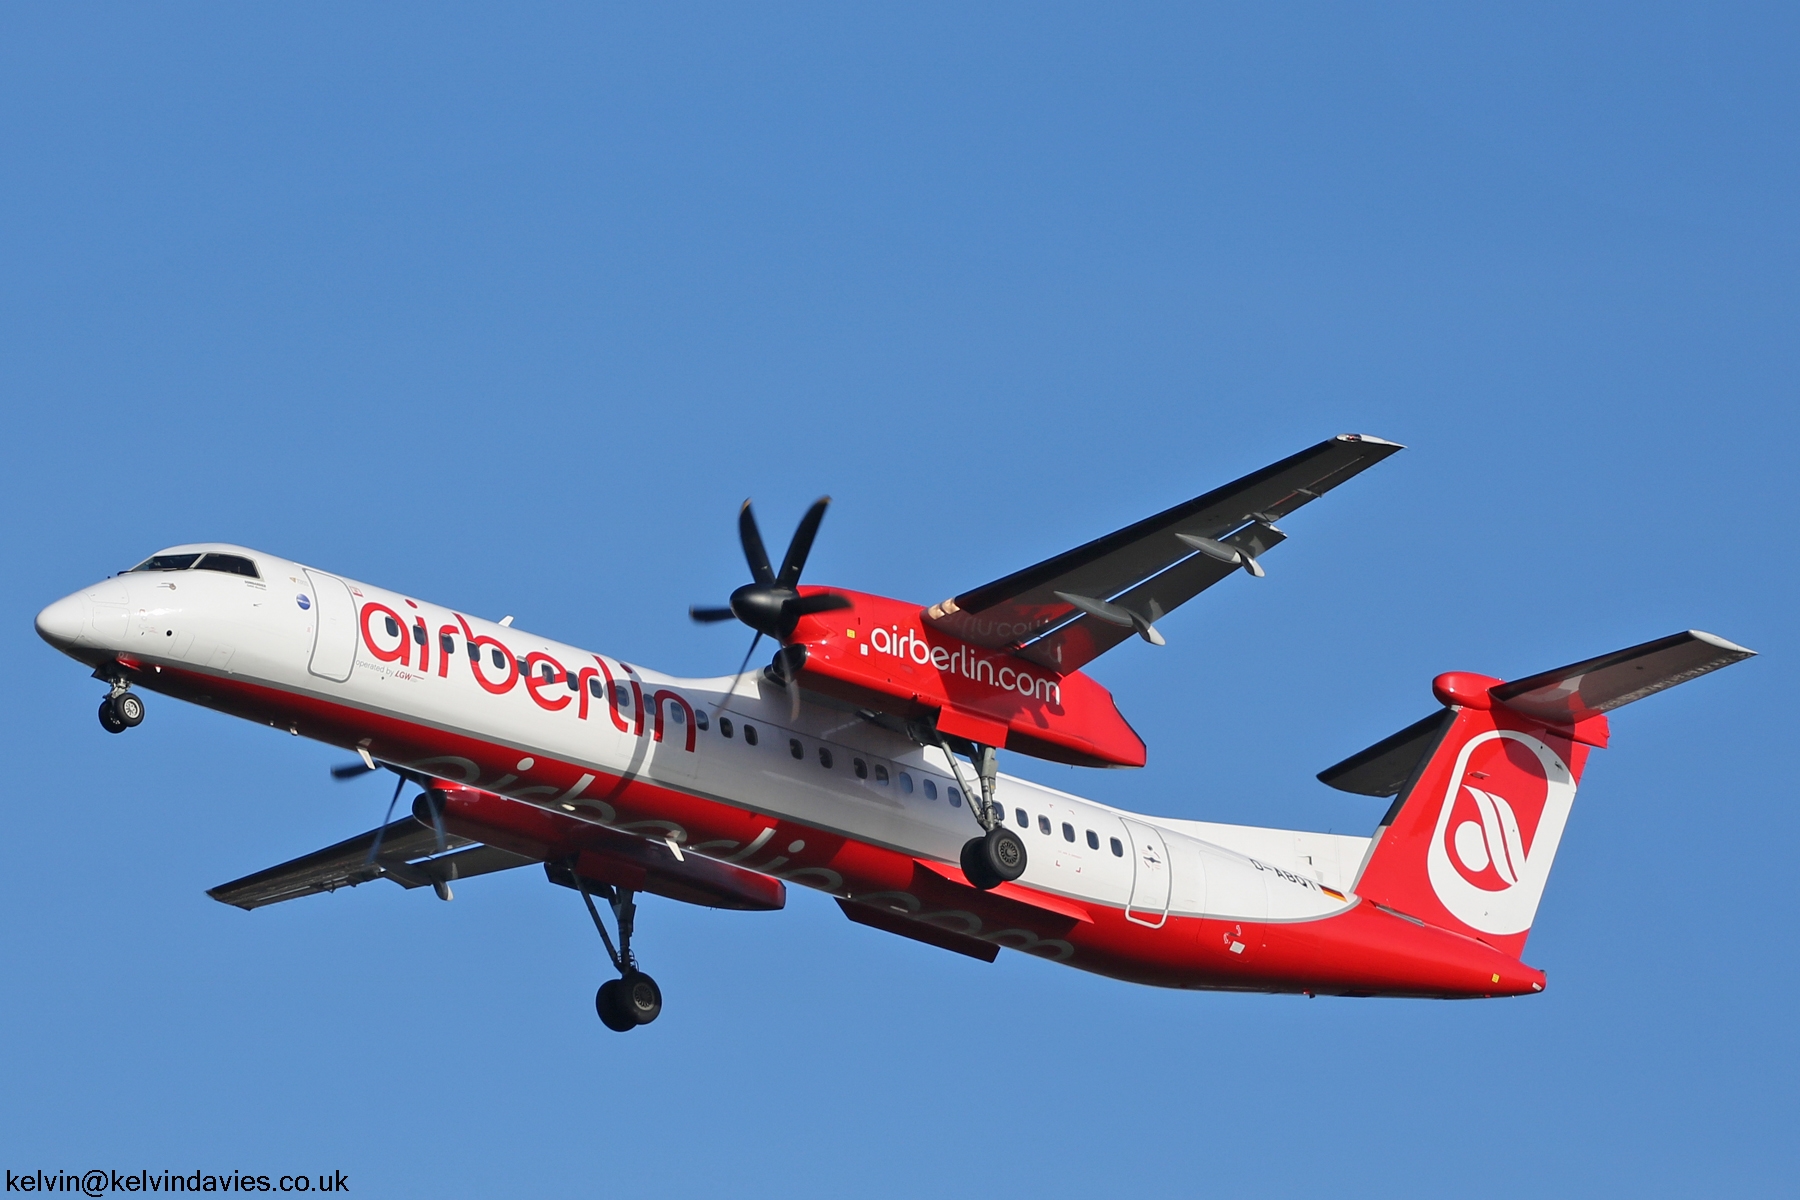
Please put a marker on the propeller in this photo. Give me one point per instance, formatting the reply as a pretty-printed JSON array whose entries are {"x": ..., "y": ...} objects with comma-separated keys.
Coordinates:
[
  {"x": 771, "y": 603},
  {"x": 367, "y": 766}
]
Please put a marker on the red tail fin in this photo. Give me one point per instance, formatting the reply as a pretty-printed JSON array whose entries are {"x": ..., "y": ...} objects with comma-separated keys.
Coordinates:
[{"x": 1485, "y": 788}]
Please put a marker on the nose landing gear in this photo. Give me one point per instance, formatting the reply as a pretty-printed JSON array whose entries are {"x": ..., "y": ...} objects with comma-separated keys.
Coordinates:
[
  {"x": 633, "y": 998},
  {"x": 121, "y": 710}
]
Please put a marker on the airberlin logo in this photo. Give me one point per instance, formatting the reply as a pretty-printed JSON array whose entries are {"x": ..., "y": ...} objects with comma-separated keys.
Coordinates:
[
  {"x": 1502, "y": 816},
  {"x": 965, "y": 662}
]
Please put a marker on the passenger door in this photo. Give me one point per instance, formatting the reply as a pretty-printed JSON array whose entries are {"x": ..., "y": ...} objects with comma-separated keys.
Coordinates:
[
  {"x": 334, "y": 627},
  {"x": 1149, "y": 904}
]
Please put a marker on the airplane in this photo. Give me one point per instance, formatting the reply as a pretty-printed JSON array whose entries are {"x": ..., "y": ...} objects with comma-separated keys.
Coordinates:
[{"x": 862, "y": 760}]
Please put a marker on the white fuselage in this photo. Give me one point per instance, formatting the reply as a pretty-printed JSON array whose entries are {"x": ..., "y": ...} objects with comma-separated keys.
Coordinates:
[{"x": 319, "y": 638}]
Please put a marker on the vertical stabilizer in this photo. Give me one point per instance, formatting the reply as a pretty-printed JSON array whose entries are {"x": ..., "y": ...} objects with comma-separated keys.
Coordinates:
[{"x": 1484, "y": 789}]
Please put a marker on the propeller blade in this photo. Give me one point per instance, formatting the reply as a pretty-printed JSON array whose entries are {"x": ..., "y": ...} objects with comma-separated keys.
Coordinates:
[
  {"x": 739, "y": 676},
  {"x": 350, "y": 770},
  {"x": 754, "y": 554},
  {"x": 806, "y": 606},
  {"x": 375, "y": 847},
  {"x": 708, "y": 616},
  {"x": 437, "y": 817},
  {"x": 801, "y": 546}
]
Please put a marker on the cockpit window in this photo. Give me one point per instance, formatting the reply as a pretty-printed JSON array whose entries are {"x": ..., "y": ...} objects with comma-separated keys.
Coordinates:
[
  {"x": 167, "y": 562},
  {"x": 231, "y": 564}
]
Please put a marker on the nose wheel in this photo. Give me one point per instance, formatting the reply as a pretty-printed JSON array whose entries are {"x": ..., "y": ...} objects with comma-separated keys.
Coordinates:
[
  {"x": 121, "y": 710},
  {"x": 633, "y": 998}
]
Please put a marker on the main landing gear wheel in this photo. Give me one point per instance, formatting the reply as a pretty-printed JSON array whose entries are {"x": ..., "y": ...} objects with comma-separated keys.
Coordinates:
[
  {"x": 624, "y": 1004},
  {"x": 633, "y": 998},
  {"x": 996, "y": 857}
]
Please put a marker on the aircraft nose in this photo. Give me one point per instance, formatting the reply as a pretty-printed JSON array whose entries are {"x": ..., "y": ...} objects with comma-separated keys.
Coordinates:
[{"x": 62, "y": 623}]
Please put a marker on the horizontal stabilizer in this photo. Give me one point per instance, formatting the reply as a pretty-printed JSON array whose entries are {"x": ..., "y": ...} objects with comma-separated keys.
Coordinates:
[
  {"x": 1587, "y": 689},
  {"x": 1384, "y": 768},
  {"x": 1562, "y": 698}
]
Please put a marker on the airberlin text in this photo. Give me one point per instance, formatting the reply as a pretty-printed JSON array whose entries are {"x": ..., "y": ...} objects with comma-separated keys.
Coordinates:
[
  {"x": 392, "y": 639},
  {"x": 965, "y": 662}
]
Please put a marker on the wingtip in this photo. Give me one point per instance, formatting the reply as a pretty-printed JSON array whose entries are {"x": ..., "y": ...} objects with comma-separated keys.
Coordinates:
[
  {"x": 1713, "y": 639},
  {"x": 1370, "y": 438}
]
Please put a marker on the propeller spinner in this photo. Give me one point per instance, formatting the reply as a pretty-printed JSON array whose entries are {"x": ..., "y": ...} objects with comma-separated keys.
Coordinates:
[{"x": 771, "y": 603}]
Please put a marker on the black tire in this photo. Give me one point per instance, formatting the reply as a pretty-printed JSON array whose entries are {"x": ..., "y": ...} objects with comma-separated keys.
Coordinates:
[
  {"x": 640, "y": 1000},
  {"x": 612, "y": 1014},
  {"x": 1004, "y": 852},
  {"x": 129, "y": 709},
  {"x": 109, "y": 719},
  {"x": 975, "y": 865}
]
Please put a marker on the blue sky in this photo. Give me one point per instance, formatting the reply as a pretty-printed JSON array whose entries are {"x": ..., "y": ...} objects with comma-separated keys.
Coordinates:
[{"x": 511, "y": 309}]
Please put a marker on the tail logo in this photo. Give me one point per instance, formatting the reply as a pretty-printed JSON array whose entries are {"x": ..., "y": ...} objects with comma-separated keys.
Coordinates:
[{"x": 1497, "y": 830}]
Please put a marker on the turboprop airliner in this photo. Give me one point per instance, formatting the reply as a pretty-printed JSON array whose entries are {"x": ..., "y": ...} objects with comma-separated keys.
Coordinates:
[{"x": 863, "y": 760}]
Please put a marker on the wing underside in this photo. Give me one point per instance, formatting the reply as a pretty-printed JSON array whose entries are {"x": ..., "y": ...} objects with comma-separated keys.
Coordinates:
[
  {"x": 1068, "y": 610},
  {"x": 405, "y": 851}
]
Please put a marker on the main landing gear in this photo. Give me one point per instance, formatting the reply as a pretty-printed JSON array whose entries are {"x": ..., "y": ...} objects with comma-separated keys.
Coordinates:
[
  {"x": 121, "y": 710},
  {"x": 633, "y": 998},
  {"x": 998, "y": 855}
]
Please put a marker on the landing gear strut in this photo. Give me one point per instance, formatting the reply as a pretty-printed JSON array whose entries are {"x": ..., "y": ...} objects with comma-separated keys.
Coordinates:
[
  {"x": 998, "y": 856},
  {"x": 633, "y": 998},
  {"x": 121, "y": 710}
]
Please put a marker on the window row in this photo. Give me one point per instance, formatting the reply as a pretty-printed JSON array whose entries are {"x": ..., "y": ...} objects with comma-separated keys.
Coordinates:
[{"x": 1023, "y": 819}]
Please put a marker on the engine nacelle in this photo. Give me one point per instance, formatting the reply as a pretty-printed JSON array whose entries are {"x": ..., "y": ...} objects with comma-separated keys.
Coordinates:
[{"x": 880, "y": 654}]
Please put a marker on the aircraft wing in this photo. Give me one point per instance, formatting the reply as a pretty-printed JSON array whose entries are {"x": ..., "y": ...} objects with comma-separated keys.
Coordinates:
[
  {"x": 409, "y": 852},
  {"x": 409, "y": 855},
  {"x": 1068, "y": 610}
]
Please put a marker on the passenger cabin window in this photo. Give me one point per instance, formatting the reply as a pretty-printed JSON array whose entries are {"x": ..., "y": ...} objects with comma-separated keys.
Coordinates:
[
  {"x": 881, "y": 775},
  {"x": 930, "y": 789},
  {"x": 1117, "y": 849},
  {"x": 1043, "y": 824},
  {"x": 825, "y": 758},
  {"x": 955, "y": 797},
  {"x": 906, "y": 783},
  {"x": 573, "y": 680},
  {"x": 676, "y": 714},
  {"x": 1093, "y": 840},
  {"x": 549, "y": 672},
  {"x": 749, "y": 733},
  {"x": 495, "y": 654},
  {"x": 1022, "y": 817},
  {"x": 446, "y": 643},
  {"x": 860, "y": 767},
  {"x": 167, "y": 562},
  {"x": 724, "y": 726},
  {"x": 1068, "y": 832},
  {"x": 700, "y": 720},
  {"x": 795, "y": 749},
  {"x": 419, "y": 634},
  {"x": 393, "y": 628},
  {"x": 231, "y": 564},
  {"x": 596, "y": 689}
]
